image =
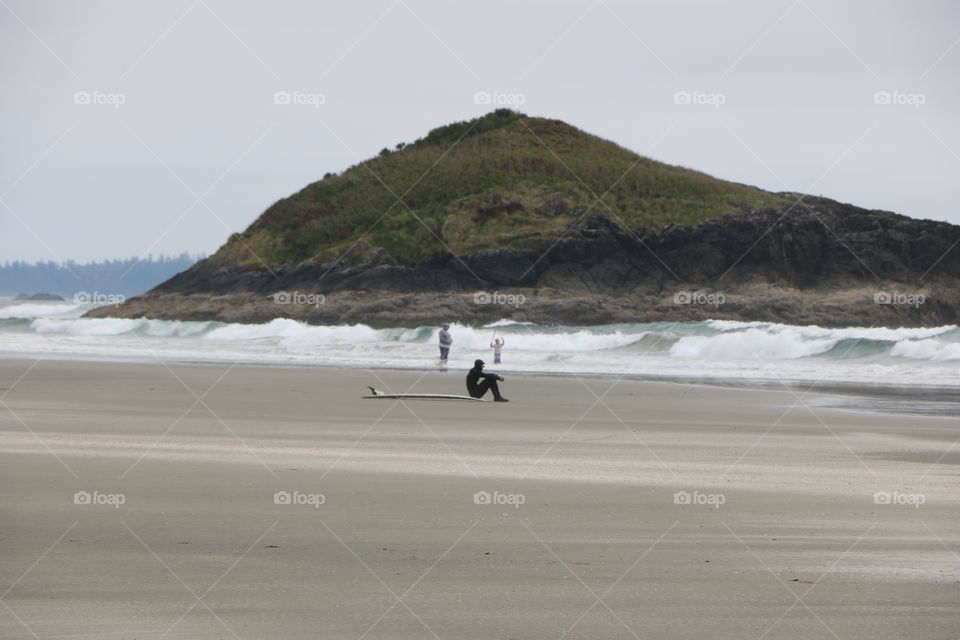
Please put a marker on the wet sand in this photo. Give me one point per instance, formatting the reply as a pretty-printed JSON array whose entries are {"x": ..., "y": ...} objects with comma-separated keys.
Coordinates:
[{"x": 147, "y": 501}]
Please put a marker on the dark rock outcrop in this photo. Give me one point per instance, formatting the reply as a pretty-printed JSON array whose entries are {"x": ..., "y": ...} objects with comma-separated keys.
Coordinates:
[{"x": 814, "y": 262}]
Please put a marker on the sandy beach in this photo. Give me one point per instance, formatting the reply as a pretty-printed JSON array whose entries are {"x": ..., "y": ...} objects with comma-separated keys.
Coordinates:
[{"x": 202, "y": 501}]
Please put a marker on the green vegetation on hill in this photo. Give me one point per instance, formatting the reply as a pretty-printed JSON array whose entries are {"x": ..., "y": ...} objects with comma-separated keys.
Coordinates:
[{"x": 503, "y": 180}]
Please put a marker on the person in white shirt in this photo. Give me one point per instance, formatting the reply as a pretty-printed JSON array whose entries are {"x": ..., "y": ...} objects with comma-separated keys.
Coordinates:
[
  {"x": 497, "y": 344},
  {"x": 445, "y": 342}
]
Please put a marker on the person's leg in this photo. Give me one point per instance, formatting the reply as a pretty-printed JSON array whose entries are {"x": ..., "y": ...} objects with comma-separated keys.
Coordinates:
[
  {"x": 491, "y": 384},
  {"x": 496, "y": 391},
  {"x": 482, "y": 388},
  {"x": 496, "y": 357},
  {"x": 444, "y": 351}
]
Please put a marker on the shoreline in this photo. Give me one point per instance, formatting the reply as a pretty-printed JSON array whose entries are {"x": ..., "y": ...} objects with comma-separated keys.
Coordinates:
[{"x": 935, "y": 400}]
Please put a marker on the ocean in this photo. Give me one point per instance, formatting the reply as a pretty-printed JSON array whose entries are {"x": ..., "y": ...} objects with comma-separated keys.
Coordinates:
[{"x": 723, "y": 352}]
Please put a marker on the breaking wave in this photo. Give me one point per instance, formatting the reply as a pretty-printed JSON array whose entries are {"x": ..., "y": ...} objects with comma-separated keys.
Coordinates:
[{"x": 694, "y": 349}]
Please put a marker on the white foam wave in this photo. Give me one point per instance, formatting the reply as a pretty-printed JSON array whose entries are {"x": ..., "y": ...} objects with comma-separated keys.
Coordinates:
[
  {"x": 117, "y": 327},
  {"x": 721, "y": 349},
  {"x": 577, "y": 340},
  {"x": 35, "y": 310},
  {"x": 753, "y": 343},
  {"x": 294, "y": 332},
  {"x": 509, "y": 323},
  {"x": 771, "y": 341},
  {"x": 934, "y": 350},
  {"x": 814, "y": 331}
]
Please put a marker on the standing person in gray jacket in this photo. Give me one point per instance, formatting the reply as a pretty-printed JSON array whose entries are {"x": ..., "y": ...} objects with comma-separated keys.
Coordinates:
[{"x": 445, "y": 342}]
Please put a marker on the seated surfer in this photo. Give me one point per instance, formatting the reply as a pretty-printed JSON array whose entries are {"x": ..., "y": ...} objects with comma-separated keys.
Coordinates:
[{"x": 477, "y": 387}]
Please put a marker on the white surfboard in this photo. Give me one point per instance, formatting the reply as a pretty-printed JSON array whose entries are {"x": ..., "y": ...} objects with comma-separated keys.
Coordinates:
[{"x": 376, "y": 393}]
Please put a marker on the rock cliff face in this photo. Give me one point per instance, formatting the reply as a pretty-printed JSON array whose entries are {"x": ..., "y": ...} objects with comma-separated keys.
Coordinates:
[{"x": 813, "y": 262}]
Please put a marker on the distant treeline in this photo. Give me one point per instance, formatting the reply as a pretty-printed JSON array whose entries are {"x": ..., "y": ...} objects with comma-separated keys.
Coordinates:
[{"x": 128, "y": 277}]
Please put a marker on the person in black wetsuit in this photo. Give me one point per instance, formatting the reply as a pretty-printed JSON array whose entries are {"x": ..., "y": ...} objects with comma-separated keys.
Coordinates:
[{"x": 477, "y": 387}]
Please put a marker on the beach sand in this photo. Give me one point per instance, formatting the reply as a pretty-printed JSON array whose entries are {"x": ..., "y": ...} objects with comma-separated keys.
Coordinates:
[{"x": 258, "y": 502}]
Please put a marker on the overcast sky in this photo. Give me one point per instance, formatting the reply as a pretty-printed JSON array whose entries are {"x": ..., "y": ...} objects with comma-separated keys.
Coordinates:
[{"x": 152, "y": 127}]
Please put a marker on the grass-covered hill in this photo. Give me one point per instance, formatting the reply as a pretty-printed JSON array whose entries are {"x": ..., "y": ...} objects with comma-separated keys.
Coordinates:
[
  {"x": 587, "y": 231},
  {"x": 504, "y": 180}
]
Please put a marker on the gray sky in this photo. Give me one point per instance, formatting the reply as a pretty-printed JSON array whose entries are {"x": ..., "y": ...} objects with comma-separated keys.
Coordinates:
[{"x": 781, "y": 96}]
